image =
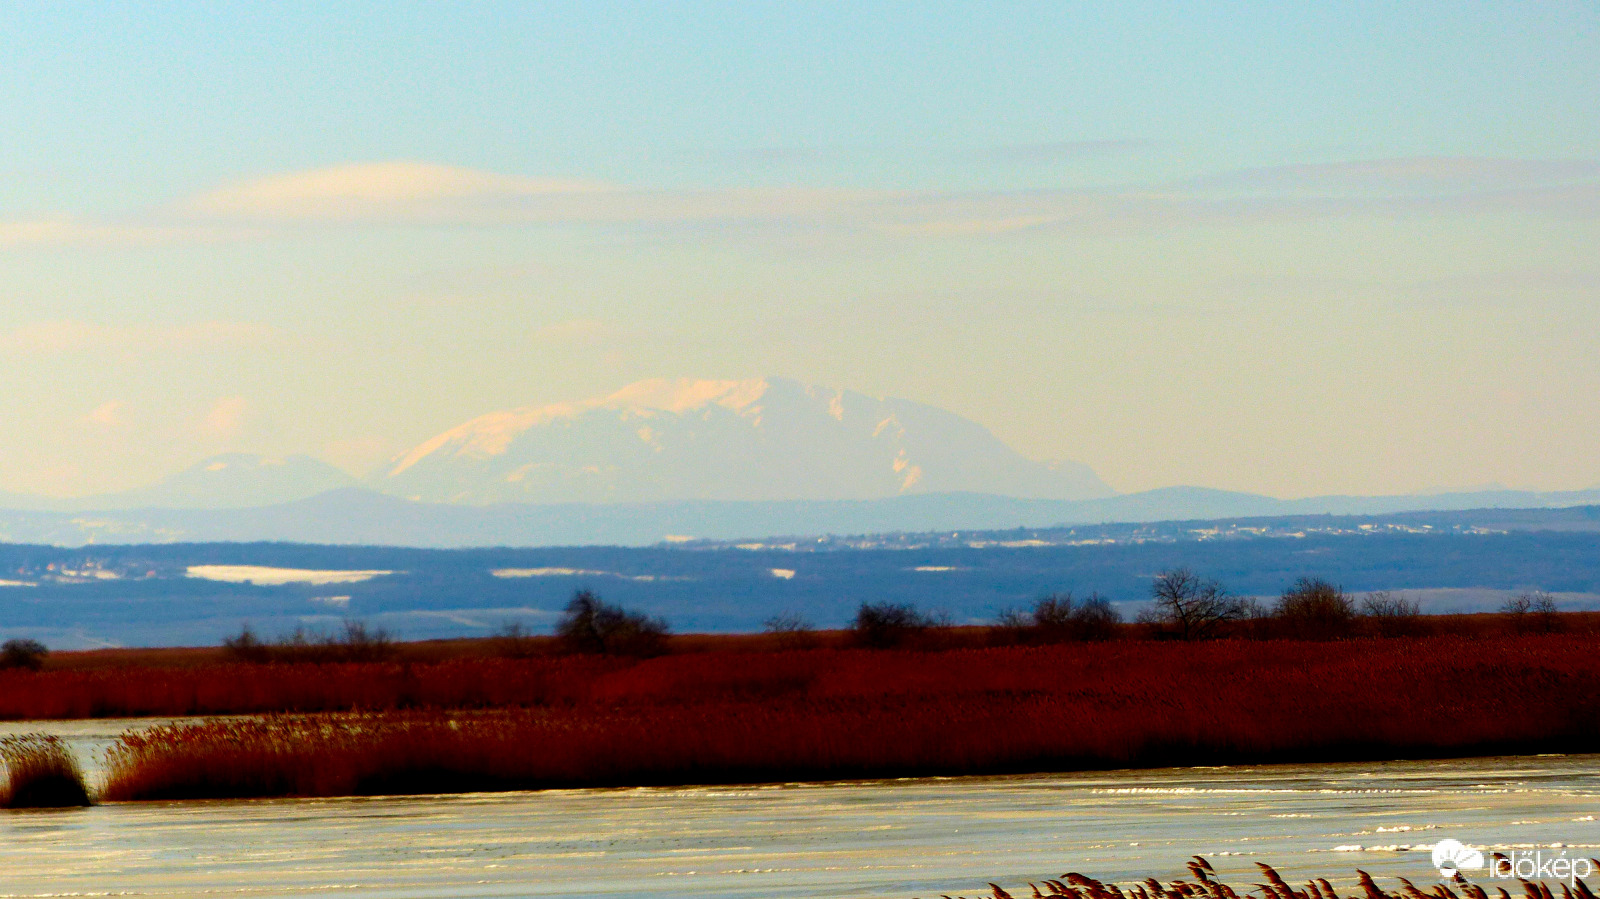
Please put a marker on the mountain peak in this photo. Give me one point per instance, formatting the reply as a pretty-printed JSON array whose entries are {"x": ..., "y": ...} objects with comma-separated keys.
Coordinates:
[
  {"x": 753, "y": 439},
  {"x": 491, "y": 434},
  {"x": 687, "y": 394}
]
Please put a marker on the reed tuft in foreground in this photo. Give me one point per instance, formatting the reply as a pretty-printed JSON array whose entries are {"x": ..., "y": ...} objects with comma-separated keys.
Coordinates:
[
  {"x": 40, "y": 772},
  {"x": 1206, "y": 886}
]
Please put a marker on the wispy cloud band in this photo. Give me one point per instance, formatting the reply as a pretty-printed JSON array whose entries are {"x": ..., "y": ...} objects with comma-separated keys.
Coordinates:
[{"x": 423, "y": 194}]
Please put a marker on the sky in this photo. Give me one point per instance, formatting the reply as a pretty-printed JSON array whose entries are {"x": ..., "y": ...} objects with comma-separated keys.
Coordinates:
[{"x": 1293, "y": 249}]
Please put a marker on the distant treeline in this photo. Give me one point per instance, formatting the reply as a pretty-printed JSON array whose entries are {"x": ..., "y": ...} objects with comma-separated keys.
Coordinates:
[{"x": 153, "y": 602}]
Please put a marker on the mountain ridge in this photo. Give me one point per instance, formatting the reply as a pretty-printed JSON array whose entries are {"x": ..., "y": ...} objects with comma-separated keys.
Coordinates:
[{"x": 759, "y": 439}]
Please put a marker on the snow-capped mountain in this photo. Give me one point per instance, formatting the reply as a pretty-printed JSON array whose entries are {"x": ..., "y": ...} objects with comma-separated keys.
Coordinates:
[{"x": 759, "y": 439}]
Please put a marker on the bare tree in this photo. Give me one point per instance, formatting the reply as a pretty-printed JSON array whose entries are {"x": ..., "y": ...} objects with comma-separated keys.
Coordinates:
[{"x": 1189, "y": 606}]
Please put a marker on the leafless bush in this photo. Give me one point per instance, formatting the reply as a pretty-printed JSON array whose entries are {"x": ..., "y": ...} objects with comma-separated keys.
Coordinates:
[
  {"x": 357, "y": 643},
  {"x": 791, "y": 630},
  {"x": 884, "y": 624},
  {"x": 21, "y": 653},
  {"x": 591, "y": 625},
  {"x": 513, "y": 641},
  {"x": 1058, "y": 617},
  {"x": 1390, "y": 615},
  {"x": 1314, "y": 609},
  {"x": 1533, "y": 611}
]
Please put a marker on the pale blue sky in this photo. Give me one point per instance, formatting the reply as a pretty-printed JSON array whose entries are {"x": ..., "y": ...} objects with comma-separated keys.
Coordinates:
[{"x": 1346, "y": 247}]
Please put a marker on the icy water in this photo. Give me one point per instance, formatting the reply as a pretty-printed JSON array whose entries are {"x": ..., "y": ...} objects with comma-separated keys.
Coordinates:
[{"x": 865, "y": 839}]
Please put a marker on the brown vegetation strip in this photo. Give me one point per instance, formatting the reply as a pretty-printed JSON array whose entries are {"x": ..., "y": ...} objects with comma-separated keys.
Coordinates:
[{"x": 828, "y": 714}]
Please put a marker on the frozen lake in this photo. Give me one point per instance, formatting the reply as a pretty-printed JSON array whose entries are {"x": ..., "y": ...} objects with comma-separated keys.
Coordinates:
[{"x": 864, "y": 839}]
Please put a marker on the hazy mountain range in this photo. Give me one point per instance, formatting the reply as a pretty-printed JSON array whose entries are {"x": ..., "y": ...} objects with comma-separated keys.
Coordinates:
[
  {"x": 763, "y": 439},
  {"x": 660, "y": 460}
]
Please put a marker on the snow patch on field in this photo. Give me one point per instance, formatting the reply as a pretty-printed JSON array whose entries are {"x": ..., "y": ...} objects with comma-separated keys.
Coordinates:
[
  {"x": 263, "y": 576},
  {"x": 568, "y": 572}
]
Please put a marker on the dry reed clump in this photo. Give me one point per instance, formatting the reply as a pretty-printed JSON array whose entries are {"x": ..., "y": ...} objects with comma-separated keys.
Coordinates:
[
  {"x": 40, "y": 773},
  {"x": 1206, "y": 886}
]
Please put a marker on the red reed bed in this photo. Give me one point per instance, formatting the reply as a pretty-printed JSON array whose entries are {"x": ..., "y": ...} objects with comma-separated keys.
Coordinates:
[
  {"x": 1484, "y": 676},
  {"x": 846, "y": 714}
]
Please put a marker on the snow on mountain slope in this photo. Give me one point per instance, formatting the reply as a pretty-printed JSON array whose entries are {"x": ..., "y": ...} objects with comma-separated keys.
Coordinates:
[{"x": 759, "y": 439}]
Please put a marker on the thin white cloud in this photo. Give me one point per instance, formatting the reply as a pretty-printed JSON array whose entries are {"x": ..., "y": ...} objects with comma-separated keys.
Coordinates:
[
  {"x": 417, "y": 193},
  {"x": 414, "y": 193},
  {"x": 61, "y": 336},
  {"x": 403, "y": 191}
]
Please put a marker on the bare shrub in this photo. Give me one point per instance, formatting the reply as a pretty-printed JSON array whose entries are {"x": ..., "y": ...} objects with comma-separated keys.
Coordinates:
[
  {"x": 1095, "y": 618},
  {"x": 1533, "y": 611},
  {"x": 358, "y": 643},
  {"x": 1190, "y": 607},
  {"x": 791, "y": 630},
  {"x": 361, "y": 643},
  {"x": 1544, "y": 612},
  {"x": 1052, "y": 616},
  {"x": 1058, "y": 617},
  {"x": 1010, "y": 627},
  {"x": 1314, "y": 609},
  {"x": 513, "y": 641},
  {"x": 1390, "y": 615},
  {"x": 245, "y": 646},
  {"x": 21, "y": 653},
  {"x": 885, "y": 624},
  {"x": 591, "y": 625}
]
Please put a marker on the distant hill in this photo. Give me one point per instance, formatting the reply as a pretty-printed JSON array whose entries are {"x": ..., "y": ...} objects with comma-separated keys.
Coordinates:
[
  {"x": 767, "y": 439},
  {"x": 236, "y": 481},
  {"x": 358, "y": 516},
  {"x": 229, "y": 481}
]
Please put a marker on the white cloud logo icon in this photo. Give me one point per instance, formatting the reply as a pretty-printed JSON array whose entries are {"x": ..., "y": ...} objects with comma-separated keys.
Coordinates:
[{"x": 1451, "y": 856}]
